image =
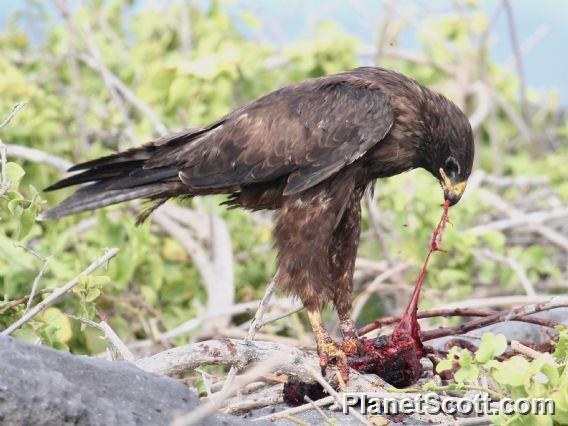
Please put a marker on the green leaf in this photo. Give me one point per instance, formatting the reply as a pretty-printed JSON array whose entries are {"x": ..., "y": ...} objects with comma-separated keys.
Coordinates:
[
  {"x": 492, "y": 345},
  {"x": 468, "y": 371},
  {"x": 511, "y": 372},
  {"x": 92, "y": 294},
  {"x": 27, "y": 220},
  {"x": 561, "y": 350},
  {"x": 444, "y": 365},
  {"x": 14, "y": 174}
]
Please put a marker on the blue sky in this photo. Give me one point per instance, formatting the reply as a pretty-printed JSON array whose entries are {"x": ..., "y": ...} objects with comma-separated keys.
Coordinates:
[{"x": 546, "y": 64}]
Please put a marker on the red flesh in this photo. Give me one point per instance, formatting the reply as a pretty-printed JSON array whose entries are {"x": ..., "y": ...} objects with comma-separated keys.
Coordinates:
[{"x": 397, "y": 358}]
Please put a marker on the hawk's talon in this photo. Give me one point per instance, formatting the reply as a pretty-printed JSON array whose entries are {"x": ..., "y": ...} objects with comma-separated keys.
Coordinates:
[
  {"x": 351, "y": 346},
  {"x": 330, "y": 352}
]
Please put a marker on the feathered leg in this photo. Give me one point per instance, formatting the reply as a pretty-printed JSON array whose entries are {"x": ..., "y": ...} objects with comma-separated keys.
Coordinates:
[
  {"x": 343, "y": 252},
  {"x": 303, "y": 237}
]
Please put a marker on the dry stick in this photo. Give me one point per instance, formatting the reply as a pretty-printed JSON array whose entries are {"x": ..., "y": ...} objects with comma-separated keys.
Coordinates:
[
  {"x": 327, "y": 387},
  {"x": 277, "y": 317},
  {"x": 110, "y": 335},
  {"x": 252, "y": 404},
  {"x": 59, "y": 292},
  {"x": 554, "y": 303},
  {"x": 14, "y": 303},
  {"x": 37, "y": 156},
  {"x": 36, "y": 282},
  {"x": 497, "y": 301},
  {"x": 518, "y": 347},
  {"x": 318, "y": 409},
  {"x": 253, "y": 329},
  {"x": 455, "y": 312},
  {"x": 328, "y": 400},
  {"x": 205, "y": 410},
  {"x": 5, "y": 185},
  {"x": 12, "y": 114}
]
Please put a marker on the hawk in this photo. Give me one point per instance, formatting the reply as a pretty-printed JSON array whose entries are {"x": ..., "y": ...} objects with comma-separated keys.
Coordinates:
[{"x": 309, "y": 151}]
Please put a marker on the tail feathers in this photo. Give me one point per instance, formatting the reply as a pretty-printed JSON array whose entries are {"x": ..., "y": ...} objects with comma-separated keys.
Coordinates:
[
  {"x": 97, "y": 195},
  {"x": 99, "y": 173}
]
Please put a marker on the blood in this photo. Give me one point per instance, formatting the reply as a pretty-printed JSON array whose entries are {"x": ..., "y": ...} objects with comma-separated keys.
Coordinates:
[
  {"x": 295, "y": 391},
  {"x": 396, "y": 358}
]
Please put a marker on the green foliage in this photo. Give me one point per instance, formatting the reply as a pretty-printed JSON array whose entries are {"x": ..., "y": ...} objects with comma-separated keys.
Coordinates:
[{"x": 516, "y": 377}]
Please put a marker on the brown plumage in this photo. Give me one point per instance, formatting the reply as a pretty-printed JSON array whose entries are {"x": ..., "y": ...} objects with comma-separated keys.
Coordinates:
[{"x": 308, "y": 150}]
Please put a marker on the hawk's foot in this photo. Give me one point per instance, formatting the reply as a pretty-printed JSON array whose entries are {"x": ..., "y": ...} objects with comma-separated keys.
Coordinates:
[
  {"x": 328, "y": 350},
  {"x": 351, "y": 343}
]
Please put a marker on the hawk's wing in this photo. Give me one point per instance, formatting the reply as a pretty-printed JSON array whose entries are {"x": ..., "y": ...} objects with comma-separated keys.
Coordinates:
[{"x": 307, "y": 131}]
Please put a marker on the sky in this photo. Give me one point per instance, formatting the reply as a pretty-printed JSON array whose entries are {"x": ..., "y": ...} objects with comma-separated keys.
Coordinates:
[{"x": 546, "y": 21}]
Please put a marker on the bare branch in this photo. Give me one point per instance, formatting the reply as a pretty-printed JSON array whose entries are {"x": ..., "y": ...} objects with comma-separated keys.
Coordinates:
[
  {"x": 4, "y": 184},
  {"x": 12, "y": 114},
  {"x": 36, "y": 282},
  {"x": 37, "y": 156},
  {"x": 110, "y": 335}
]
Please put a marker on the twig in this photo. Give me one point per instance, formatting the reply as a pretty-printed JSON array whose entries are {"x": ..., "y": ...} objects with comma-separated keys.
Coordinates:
[
  {"x": 518, "y": 347},
  {"x": 451, "y": 312},
  {"x": 497, "y": 301},
  {"x": 256, "y": 322},
  {"x": 60, "y": 292},
  {"x": 318, "y": 409},
  {"x": 277, "y": 317},
  {"x": 12, "y": 114},
  {"x": 216, "y": 402},
  {"x": 228, "y": 352},
  {"x": 14, "y": 303},
  {"x": 252, "y": 404},
  {"x": 5, "y": 185},
  {"x": 35, "y": 283},
  {"x": 253, "y": 329},
  {"x": 110, "y": 336},
  {"x": 37, "y": 156},
  {"x": 327, "y": 387},
  {"x": 328, "y": 400},
  {"x": 554, "y": 303}
]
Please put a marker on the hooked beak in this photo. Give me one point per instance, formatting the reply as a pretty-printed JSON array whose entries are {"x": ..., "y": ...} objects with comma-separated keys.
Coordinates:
[{"x": 452, "y": 192}]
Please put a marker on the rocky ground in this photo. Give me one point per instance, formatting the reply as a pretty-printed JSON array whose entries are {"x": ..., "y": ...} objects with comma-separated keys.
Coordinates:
[{"x": 41, "y": 386}]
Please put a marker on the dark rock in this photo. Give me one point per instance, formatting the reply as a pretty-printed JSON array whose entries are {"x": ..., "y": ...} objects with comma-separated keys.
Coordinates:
[{"x": 41, "y": 386}]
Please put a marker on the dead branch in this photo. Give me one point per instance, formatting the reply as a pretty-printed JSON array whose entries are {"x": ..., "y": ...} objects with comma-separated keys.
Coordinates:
[
  {"x": 37, "y": 156},
  {"x": 216, "y": 402},
  {"x": 12, "y": 304},
  {"x": 455, "y": 312},
  {"x": 36, "y": 282},
  {"x": 4, "y": 184},
  {"x": 515, "y": 313},
  {"x": 118, "y": 349}
]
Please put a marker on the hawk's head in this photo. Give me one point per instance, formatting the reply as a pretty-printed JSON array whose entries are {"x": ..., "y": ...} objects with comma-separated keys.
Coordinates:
[{"x": 448, "y": 153}]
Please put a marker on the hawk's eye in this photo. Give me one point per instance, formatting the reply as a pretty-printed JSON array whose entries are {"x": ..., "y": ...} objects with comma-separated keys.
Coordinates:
[{"x": 451, "y": 167}]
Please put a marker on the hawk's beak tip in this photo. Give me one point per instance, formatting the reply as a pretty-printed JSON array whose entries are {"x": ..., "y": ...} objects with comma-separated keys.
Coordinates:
[
  {"x": 452, "y": 197},
  {"x": 453, "y": 193}
]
